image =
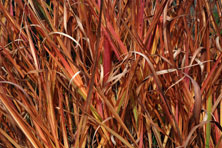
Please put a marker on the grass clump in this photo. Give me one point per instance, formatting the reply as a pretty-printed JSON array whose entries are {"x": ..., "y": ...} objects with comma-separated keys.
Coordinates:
[{"x": 108, "y": 73}]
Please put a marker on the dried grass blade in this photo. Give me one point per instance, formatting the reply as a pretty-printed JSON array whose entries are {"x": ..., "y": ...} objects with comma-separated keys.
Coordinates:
[
  {"x": 18, "y": 119},
  {"x": 50, "y": 110},
  {"x": 10, "y": 139},
  {"x": 218, "y": 44},
  {"x": 209, "y": 117},
  {"x": 63, "y": 121},
  {"x": 65, "y": 15},
  {"x": 198, "y": 100},
  {"x": 32, "y": 47}
]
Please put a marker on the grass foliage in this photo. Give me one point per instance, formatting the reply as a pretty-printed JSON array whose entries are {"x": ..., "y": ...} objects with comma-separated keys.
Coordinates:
[{"x": 110, "y": 73}]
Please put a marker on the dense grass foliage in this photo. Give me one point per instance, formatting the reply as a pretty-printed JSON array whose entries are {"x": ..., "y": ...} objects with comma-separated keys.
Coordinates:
[{"x": 110, "y": 73}]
